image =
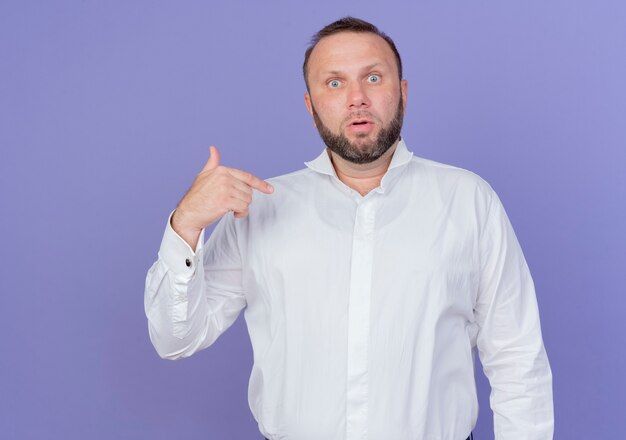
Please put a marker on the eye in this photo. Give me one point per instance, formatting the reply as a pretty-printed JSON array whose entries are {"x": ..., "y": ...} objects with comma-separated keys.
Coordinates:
[
  {"x": 373, "y": 78},
  {"x": 334, "y": 83}
]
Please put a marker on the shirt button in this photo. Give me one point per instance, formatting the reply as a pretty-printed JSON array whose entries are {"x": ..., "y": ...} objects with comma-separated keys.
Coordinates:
[{"x": 188, "y": 262}]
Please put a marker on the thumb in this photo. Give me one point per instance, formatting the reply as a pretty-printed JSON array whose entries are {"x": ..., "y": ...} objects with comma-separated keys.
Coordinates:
[{"x": 214, "y": 159}]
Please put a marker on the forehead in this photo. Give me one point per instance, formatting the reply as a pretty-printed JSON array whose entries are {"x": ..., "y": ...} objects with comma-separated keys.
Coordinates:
[{"x": 350, "y": 50}]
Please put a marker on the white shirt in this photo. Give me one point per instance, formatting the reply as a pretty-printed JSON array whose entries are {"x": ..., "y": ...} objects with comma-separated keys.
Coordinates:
[{"x": 363, "y": 310}]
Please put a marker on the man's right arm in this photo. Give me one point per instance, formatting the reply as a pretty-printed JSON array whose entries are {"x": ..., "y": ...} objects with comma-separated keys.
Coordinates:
[
  {"x": 193, "y": 291},
  {"x": 193, "y": 297}
]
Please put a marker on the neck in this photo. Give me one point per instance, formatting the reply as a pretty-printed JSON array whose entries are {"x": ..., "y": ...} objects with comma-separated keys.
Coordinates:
[{"x": 362, "y": 177}]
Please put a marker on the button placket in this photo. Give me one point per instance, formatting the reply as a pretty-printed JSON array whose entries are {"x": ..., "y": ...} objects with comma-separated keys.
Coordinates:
[{"x": 359, "y": 319}]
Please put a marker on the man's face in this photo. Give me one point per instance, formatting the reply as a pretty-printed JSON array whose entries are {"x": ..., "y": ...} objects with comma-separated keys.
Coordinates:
[{"x": 355, "y": 96}]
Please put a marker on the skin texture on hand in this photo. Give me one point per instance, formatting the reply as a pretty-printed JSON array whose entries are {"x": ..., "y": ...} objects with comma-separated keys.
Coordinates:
[{"x": 215, "y": 191}]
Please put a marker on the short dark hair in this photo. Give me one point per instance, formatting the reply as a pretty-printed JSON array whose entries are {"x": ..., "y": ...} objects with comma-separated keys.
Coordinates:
[{"x": 348, "y": 24}]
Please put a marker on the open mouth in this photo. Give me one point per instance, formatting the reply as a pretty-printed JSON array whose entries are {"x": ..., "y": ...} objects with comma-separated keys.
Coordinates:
[{"x": 360, "y": 122}]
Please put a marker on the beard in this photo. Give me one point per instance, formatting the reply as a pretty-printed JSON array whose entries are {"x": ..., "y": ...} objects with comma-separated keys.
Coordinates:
[{"x": 363, "y": 150}]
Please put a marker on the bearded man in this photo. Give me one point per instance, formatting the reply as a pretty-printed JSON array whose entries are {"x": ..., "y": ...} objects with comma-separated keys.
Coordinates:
[{"x": 367, "y": 278}]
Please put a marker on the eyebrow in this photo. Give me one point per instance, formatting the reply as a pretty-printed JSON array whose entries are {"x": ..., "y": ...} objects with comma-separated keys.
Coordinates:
[{"x": 337, "y": 72}]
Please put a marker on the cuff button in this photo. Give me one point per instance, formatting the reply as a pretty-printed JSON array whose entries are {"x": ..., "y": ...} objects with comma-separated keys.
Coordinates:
[{"x": 187, "y": 262}]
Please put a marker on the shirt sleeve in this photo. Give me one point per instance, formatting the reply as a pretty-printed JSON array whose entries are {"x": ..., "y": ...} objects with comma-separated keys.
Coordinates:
[
  {"x": 509, "y": 338},
  {"x": 193, "y": 297}
]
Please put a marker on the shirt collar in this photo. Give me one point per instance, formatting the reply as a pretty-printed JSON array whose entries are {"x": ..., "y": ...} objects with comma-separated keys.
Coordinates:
[{"x": 323, "y": 165}]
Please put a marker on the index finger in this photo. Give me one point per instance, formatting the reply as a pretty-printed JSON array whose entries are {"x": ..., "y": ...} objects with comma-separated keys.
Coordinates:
[{"x": 251, "y": 180}]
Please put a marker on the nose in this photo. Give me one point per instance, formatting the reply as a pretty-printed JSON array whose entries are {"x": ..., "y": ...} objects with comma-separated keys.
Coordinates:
[{"x": 357, "y": 96}]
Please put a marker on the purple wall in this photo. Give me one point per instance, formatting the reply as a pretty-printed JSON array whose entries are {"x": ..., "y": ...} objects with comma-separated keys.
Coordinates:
[{"x": 106, "y": 113}]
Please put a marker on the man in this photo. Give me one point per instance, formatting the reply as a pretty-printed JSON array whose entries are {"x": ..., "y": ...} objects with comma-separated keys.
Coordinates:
[{"x": 367, "y": 278}]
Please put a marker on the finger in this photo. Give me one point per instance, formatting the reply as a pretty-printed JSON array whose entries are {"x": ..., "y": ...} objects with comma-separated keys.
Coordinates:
[
  {"x": 252, "y": 180},
  {"x": 243, "y": 195},
  {"x": 238, "y": 184},
  {"x": 214, "y": 159},
  {"x": 240, "y": 214},
  {"x": 237, "y": 206}
]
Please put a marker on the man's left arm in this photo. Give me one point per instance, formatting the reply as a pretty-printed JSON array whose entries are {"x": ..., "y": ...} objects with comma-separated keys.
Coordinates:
[{"x": 509, "y": 337}]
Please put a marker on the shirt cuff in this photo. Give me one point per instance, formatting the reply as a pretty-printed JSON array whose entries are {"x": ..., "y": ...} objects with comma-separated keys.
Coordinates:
[{"x": 177, "y": 254}]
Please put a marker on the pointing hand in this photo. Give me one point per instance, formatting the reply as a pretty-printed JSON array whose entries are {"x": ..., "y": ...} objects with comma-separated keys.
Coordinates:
[{"x": 215, "y": 191}]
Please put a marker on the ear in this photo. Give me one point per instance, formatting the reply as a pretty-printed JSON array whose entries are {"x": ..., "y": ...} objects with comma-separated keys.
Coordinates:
[
  {"x": 404, "y": 89},
  {"x": 309, "y": 106}
]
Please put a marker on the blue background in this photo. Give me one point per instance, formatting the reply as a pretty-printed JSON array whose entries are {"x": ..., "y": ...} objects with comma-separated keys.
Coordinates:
[{"x": 106, "y": 113}]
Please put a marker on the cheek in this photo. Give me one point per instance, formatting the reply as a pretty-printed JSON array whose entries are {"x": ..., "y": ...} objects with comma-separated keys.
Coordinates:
[
  {"x": 389, "y": 102},
  {"x": 329, "y": 112}
]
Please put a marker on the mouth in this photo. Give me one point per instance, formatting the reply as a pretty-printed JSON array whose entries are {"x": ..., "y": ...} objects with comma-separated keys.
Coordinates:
[
  {"x": 360, "y": 127},
  {"x": 358, "y": 122}
]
